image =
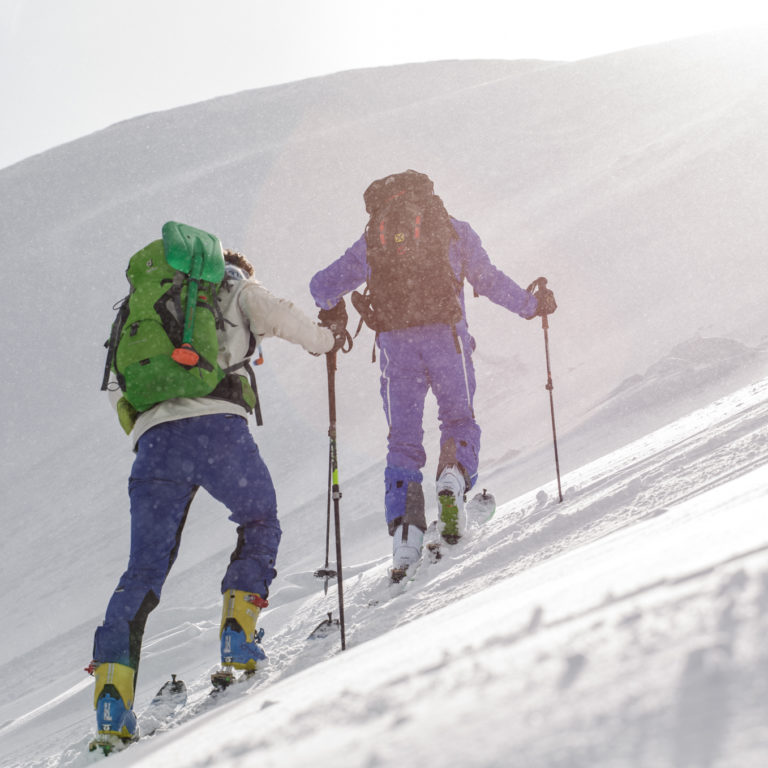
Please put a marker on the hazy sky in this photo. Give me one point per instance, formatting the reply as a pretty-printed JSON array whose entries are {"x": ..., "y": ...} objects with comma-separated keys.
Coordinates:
[{"x": 71, "y": 67}]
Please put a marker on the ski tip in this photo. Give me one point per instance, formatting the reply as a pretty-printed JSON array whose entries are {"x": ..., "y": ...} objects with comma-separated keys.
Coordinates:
[
  {"x": 481, "y": 508},
  {"x": 323, "y": 629}
]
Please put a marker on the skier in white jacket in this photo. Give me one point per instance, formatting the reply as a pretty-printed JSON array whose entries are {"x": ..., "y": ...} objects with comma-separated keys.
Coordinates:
[{"x": 181, "y": 445}]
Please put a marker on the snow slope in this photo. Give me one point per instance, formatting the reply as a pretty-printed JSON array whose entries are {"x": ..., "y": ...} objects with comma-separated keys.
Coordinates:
[{"x": 623, "y": 627}]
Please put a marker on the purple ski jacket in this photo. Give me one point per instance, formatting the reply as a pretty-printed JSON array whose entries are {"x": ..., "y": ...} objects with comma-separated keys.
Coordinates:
[{"x": 468, "y": 259}]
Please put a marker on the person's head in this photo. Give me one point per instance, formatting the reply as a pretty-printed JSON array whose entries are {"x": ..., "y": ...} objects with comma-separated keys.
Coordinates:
[{"x": 238, "y": 260}]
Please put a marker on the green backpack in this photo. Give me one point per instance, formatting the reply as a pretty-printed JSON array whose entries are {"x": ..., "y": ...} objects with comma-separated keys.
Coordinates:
[{"x": 163, "y": 342}]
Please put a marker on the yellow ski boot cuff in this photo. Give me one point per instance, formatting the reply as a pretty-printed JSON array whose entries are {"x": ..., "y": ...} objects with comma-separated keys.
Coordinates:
[
  {"x": 118, "y": 675},
  {"x": 244, "y": 608}
]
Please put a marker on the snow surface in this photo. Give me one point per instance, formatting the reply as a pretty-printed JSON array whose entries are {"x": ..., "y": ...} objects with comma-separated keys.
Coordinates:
[{"x": 622, "y": 627}]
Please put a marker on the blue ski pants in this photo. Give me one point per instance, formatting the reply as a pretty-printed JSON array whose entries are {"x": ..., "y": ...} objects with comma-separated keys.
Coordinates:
[
  {"x": 413, "y": 361},
  {"x": 174, "y": 459}
]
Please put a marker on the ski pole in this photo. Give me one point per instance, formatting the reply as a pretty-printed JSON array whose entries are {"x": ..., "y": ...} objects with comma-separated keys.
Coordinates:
[
  {"x": 334, "y": 477},
  {"x": 326, "y": 572},
  {"x": 541, "y": 285}
]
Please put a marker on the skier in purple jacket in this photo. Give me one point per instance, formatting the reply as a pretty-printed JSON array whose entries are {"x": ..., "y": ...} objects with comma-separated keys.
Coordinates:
[{"x": 420, "y": 348}]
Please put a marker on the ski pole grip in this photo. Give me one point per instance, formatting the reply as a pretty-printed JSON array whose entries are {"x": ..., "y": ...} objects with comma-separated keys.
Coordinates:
[{"x": 537, "y": 288}]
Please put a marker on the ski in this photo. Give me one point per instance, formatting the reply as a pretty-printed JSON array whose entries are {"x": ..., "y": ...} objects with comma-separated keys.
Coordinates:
[
  {"x": 167, "y": 702},
  {"x": 324, "y": 628},
  {"x": 223, "y": 680},
  {"x": 481, "y": 508},
  {"x": 164, "y": 707}
]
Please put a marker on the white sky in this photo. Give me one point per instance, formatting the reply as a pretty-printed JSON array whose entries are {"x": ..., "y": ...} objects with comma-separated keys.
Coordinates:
[{"x": 72, "y": 67}]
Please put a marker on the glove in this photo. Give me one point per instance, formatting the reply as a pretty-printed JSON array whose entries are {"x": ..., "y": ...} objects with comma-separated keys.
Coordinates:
[
  {"x": 335, "y": 319},
  {"x": 545, "y": 298},
  {"x": 547, "y": 303}
]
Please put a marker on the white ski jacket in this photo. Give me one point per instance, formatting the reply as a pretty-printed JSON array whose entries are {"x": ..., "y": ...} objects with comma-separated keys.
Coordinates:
[{"x": 248, "y": 308}]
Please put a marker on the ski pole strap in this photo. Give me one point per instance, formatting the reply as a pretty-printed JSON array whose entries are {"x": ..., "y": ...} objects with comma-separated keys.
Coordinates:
[
  {"x": 252, "y": 378},
  {"x": 539, "y": 284}
]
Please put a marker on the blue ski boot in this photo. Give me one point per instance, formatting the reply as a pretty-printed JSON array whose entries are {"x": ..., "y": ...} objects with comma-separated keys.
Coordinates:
[
  {"x": 113, "y": 700},
  {"x": 240, "y": 641}
]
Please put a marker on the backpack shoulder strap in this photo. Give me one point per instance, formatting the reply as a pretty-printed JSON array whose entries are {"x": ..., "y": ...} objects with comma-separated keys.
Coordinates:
[
  {"x": 114, "y": 337},
  {"x": 245, "y": 363}
]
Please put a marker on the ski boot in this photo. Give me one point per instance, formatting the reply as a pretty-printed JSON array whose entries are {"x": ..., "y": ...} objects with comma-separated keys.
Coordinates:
[
  {"x": 113, "y": 701},
  {"x": 407, "y": 541},
  {"x": 452, "y": 520},
  {"x": 240, "y": 642}
]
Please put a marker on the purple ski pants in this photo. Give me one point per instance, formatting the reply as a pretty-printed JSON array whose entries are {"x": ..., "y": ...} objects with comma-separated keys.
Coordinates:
[{"x": 413, "y": 361}]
